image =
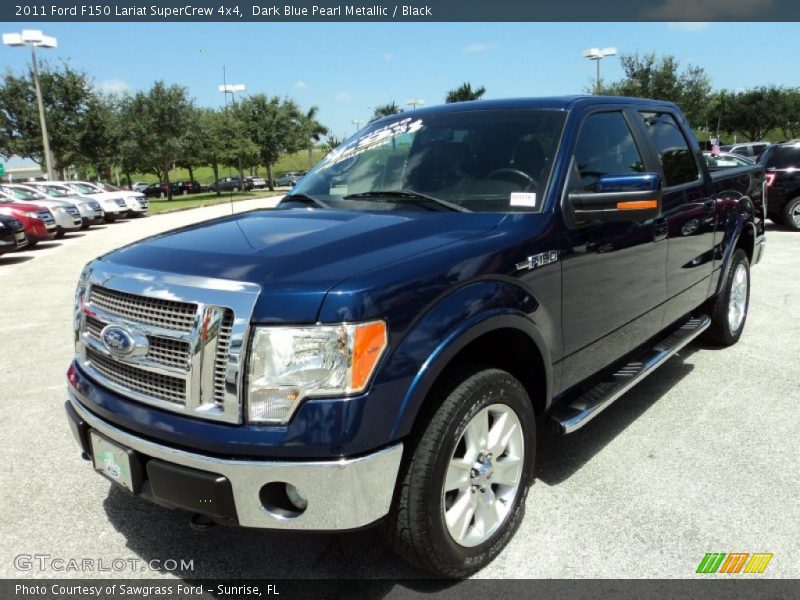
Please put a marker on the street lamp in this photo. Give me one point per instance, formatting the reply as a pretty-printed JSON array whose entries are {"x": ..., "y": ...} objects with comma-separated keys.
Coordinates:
[
  {"x": 36, "y": 39},
  {"x": 232, "y": 89},
  {"x": 414, "y": 102},
  {"x": 357, "y": 123},
  {"x": 598, "y": 54}
]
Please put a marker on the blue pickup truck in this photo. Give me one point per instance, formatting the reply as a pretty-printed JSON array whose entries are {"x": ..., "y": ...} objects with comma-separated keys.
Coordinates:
[{"x": 380, "y": 349}]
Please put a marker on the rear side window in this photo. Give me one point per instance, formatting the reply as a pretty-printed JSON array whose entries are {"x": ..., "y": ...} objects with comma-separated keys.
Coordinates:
[
  {"x": 606, "y": 146},
  {"x": 784, "y": 157},
  {"x": 677, "y": 159}
]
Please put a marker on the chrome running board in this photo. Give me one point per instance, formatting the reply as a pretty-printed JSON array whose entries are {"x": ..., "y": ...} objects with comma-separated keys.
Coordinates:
[{"x": 591, "y": 403}]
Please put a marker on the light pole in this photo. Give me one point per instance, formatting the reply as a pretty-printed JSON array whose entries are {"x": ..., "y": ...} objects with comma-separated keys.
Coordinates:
[
  {"x": 598, "y": 54},
  {"x": 414, "y": 102},
  {"x": 232, "y": 89},
  {"x": 357, "y": 123},
  {"x": 35, "y": 38}
]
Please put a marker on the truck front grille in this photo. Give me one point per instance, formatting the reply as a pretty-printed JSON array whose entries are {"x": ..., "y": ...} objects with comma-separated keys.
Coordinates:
[
  {"x": 183, "y": 338},
  {"x": 169, "y": 314},
  {"x": 154, "y": 385}
]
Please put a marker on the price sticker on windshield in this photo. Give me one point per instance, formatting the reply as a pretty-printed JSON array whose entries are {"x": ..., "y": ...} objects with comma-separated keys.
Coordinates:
[{"x": 525, "y": 199}]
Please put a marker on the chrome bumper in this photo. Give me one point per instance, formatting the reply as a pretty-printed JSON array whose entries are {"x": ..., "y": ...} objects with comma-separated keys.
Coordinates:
[{"x": 342, "y": 494}]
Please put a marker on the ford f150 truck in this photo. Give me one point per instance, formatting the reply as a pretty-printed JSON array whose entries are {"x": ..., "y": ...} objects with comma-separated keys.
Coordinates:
[{"x": 380, "y": 348}]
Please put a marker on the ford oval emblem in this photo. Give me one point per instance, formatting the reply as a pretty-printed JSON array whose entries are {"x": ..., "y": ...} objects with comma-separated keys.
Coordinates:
[{"x": 118, "y": 340}]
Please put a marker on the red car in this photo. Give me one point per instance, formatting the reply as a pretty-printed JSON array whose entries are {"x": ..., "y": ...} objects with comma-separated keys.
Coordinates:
[{"x": 38, "y": 222}]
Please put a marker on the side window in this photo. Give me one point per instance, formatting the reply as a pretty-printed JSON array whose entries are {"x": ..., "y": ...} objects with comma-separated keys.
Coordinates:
[
  {"x": 606, "y": 147},
  {"x": 677, "y": 158}
]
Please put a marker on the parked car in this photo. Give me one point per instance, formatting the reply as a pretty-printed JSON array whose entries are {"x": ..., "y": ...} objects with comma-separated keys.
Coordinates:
[
  {"x": 257, "y": 182},
  {"x": 114, "y": 205},
  {"x": 183, "y": 188},
  {"x": 12, "y": 234},
  {"x": 90, "y": 210},
  {"x": 726, "y": 160},
  {"x": 382, "y": 348},
  {"x": 782, "y": 164},
  {"x": 230, "y": 184},
  {"x": 135, "y": 201},
  {"x": 156, "y": 190},
  {"x": 66, "y": 214},
  {"x": 288, "y": 179},
  {"x": 749, "y": 149},
  {"x": 139, "y": 186},
  {"x": 37, "y": 221}
]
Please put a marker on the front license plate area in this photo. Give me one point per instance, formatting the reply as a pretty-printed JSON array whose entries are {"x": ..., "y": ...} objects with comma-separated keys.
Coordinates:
[{"x": 113, "y": 461}]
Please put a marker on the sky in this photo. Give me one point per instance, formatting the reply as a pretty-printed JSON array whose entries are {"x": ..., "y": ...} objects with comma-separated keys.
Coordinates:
[{"x": 347, "y": 69}]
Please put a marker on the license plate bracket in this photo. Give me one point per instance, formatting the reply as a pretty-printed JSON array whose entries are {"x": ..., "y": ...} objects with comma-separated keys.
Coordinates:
[{"x": 115, "y": 462}]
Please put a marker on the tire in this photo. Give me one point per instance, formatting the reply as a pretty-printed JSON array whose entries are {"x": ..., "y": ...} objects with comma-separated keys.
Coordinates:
[
  {"x": 791, "y": 214},
  {"x": 110, "y": 218},
  {"x": 727, "y": 322},
  {"x": 85, "y": 224},
  {"x": 417, "y": 524},
  {"x": 60, "y": 233}
]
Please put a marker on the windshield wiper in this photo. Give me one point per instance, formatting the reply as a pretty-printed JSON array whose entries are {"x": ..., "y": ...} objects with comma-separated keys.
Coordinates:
[
  {"x": 406, "y": 196},
  {"x": 304, "y": 199}
]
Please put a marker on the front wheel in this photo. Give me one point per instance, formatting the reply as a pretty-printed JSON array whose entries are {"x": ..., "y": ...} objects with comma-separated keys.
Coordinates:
[
  {"x": 729, "y": 311},
  {"x": 461, "y": 492}
]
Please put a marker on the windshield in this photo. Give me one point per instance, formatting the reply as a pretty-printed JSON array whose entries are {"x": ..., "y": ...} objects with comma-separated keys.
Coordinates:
[
  {"x": 479, "y": 160},
  {"x": 22, "y": 194},
  {"x": 83, "y": 189}
]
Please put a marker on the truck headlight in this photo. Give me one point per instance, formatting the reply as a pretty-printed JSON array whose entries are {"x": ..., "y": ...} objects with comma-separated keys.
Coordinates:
[{"x": 289, "y": 364}]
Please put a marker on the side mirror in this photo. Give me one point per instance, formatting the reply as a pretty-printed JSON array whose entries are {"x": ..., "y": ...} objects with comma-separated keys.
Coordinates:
[{"x": 629, "y": 197}]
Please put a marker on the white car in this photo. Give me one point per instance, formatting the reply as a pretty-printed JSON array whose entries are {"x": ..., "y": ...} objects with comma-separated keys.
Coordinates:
[
  {"x": 139, "y": 186},
  {"x": 137, "y": 203},
  {"x": 113, "y": 204},
  {"x": 90, "y": 210},
  {"x": 66, "y": 214}
]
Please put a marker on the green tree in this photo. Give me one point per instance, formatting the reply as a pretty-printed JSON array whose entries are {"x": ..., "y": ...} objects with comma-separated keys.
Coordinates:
[
  {"x": 384, "y": 110},
  {"x": 275, "y": 126},
  {"x": 314, "y": 131},
  {"x": 66, "y": 95},
  {"x": 788, "y": 113},
  {"x": 99, "y": 138},
  {"x": 464, "y": 93},
  {"x": 661, "y": 78},
  {"x": 332, "y": 141},
  {"x": 154, "y": 125},
  {"x": 222, "y": 140},
  {"x": 752, "y": 113}
]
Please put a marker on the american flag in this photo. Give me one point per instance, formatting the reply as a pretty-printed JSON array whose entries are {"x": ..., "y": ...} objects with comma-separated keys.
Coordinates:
[{"x": 715, "y": 147}]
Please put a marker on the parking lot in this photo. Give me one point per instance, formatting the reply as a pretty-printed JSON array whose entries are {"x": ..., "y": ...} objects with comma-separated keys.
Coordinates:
[{"x": 702, "y": 457}]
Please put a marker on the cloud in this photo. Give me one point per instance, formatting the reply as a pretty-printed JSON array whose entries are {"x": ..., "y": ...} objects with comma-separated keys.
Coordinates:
[
  {"x": 689, "y": 26},
  {"x": 708, "y": 10},
  {"x": 344, "y": 97},
  {"x": 113, "y": 86},
  {"x": 480, "y": 47},
  {"x": 388, "y": 56},
  {"x": 300, "y": 85}
]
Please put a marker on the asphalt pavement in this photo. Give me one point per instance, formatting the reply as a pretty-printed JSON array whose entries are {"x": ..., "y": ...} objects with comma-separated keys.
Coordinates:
[{"x": 703, "y": 456}]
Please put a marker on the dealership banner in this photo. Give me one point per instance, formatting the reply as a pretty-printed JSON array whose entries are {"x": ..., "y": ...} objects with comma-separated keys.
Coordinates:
[
  {"x": 429, "y": 589},
  {"x": 405, "y": 10}
]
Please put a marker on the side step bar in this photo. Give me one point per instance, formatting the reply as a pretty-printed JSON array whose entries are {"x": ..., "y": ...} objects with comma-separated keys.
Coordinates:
[{"x": 591, "y": 403}]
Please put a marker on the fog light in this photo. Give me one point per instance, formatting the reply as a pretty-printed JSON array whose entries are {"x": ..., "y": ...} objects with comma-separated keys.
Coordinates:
[
  {"x": 272, "y": 403},
  {"x": 296, "y": 497}
]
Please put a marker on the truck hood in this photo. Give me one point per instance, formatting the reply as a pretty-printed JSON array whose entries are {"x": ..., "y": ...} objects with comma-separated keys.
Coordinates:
[{"x": 298, "y": 255}]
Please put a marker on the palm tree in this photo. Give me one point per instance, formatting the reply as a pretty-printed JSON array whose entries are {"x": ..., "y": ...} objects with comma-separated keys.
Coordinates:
[
  {"x": 465, "y": 93},
  {"x": 385, "y": 110},
  {"x": 315, "y": 130}
]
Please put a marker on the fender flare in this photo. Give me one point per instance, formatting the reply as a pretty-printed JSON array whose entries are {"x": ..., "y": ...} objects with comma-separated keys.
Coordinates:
[
  {"x": 743, "y": 221},
  {"x": 450, "y": 346}
]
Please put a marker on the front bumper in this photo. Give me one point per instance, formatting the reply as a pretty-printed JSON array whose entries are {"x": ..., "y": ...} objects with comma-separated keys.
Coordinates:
[{"x": 342, "y": 494}]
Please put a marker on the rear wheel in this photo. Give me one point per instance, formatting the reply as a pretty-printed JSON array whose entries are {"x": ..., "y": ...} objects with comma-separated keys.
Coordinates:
[
  {"x": 461, "y": 493},
  {"x": 60, "y": 232},
  {"x": 729, "y": 312},
  {"x": 791, "y": 214},
  {"x": 85, "y": 224}
]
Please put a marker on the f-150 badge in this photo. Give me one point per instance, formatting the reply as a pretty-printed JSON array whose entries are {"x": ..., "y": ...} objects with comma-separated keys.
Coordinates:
[{"x": 538, "y": 260}]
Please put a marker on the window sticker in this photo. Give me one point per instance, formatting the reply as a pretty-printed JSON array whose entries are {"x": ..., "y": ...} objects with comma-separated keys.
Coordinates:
[{"x": 526, "y": 199}]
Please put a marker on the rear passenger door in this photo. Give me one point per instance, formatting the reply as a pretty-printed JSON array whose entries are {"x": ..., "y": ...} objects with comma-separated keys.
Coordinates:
[{"x": 690, "y": 213}]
